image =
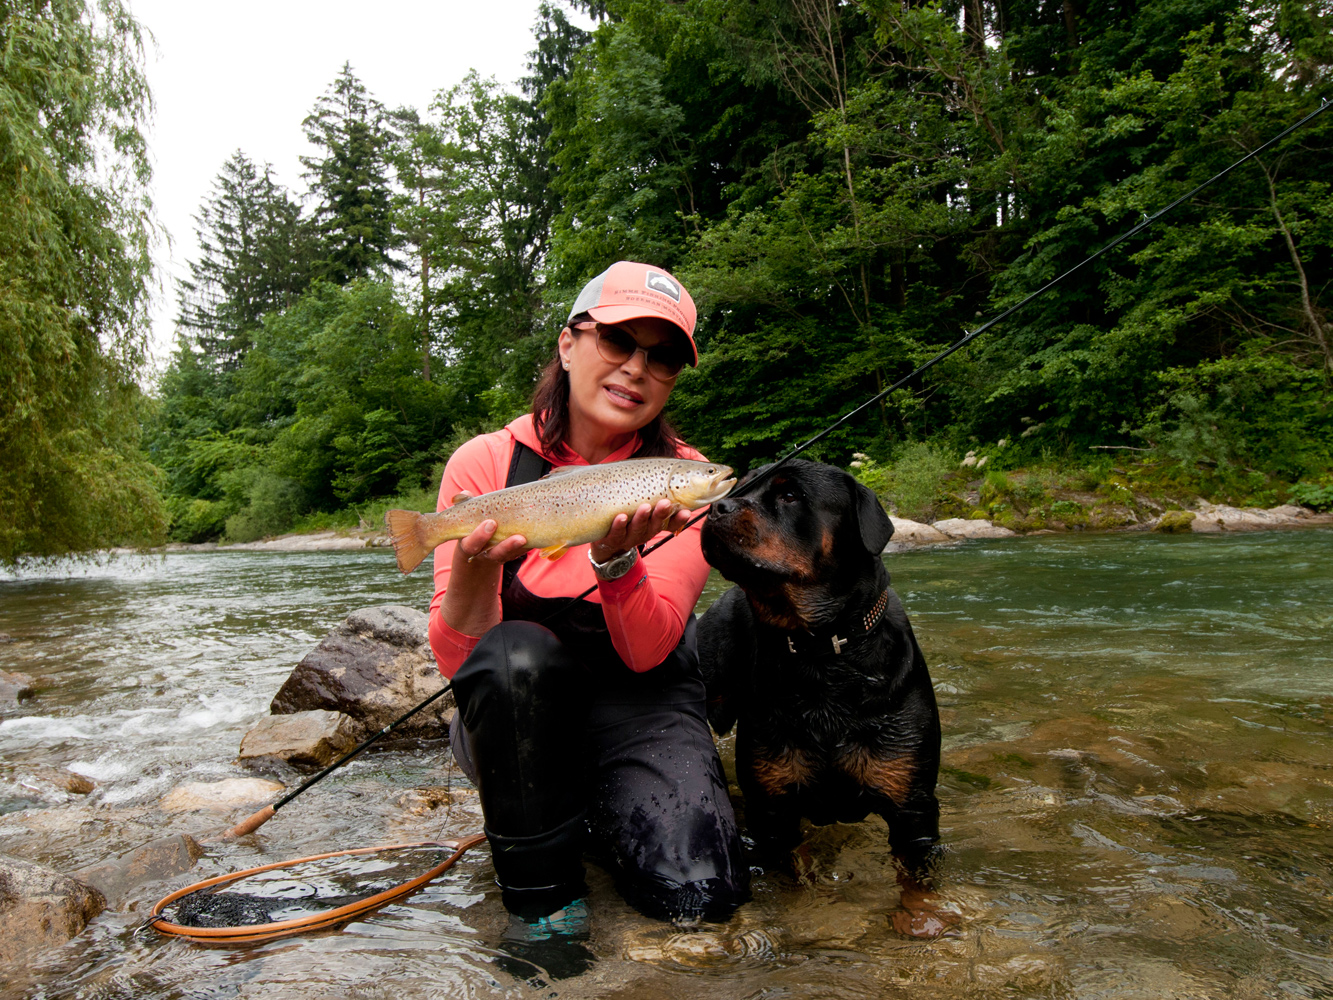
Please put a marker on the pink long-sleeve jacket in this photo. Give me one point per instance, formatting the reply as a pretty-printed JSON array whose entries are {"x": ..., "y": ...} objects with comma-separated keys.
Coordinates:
[{"x": 645, "y": 609}]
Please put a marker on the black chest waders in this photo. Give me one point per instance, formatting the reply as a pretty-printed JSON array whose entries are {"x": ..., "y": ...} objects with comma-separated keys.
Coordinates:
[{"x": 572, "y": 751}]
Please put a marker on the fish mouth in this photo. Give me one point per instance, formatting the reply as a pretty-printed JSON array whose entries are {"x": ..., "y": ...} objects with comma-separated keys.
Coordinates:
[{"x": 719, "y": 486}]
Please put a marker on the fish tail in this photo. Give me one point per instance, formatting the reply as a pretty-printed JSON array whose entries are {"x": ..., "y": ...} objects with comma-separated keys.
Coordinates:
[{"x": 407, "y": 532}]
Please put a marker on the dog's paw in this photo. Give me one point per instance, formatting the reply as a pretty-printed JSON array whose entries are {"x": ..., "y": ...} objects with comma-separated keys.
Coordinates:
[{"x": 924, "y": 922}]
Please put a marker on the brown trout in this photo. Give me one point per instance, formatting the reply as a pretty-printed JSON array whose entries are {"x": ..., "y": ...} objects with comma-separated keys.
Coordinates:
[{"x": 567, "y": 507}]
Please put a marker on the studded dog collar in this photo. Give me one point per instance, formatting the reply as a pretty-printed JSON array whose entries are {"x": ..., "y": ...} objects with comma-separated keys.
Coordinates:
[{"x": 809, "y": 643}]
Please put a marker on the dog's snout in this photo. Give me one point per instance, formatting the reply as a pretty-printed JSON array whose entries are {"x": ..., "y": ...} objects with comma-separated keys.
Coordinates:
[{"x": 723, "y": 507}]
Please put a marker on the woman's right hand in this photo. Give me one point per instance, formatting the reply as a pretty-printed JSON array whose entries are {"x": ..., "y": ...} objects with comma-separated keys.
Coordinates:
[
  {"x": 474, "y": 545},
  {"x": 474, "y": 549},
  {"x": 471, "y": 601}
]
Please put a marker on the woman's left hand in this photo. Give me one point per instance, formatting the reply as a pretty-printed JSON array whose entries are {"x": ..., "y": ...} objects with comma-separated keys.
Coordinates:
[{"x": 630, "y": 532}]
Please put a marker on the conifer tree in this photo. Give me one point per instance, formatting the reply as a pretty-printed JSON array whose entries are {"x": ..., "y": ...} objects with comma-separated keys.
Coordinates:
[
  {"x": 256, "y": 258},
  {"x": 349, "y": 182}
]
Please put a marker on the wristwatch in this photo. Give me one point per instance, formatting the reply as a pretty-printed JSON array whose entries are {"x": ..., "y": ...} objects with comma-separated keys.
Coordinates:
[{"x": 615, "y": 567}]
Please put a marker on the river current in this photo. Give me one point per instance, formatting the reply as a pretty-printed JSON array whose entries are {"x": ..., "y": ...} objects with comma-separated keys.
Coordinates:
[{"x": 1137, "y": 789}]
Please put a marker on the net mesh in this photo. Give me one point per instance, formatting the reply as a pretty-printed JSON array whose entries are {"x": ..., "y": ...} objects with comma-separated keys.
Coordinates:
[{"x": 303, "y": 889}]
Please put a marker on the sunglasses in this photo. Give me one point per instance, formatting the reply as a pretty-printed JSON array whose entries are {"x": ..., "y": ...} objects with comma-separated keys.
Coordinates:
[{"x": 617, "y": 345}]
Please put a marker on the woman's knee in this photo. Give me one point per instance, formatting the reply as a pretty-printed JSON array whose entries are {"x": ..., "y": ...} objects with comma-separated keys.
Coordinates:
[
  {"x": 514, "y": 663},
  {"x": 683, "y": 867},
  {"x": 664, "y": 898}
]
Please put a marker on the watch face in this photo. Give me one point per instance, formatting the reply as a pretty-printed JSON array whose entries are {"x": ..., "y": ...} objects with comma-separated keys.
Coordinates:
[{"x": 615, "y": 567}]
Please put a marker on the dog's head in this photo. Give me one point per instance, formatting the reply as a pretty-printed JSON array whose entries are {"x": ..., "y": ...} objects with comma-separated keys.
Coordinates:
[{"x": 802, "y": 541}]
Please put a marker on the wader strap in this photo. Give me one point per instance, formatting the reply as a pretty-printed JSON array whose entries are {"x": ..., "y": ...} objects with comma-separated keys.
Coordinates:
[{"x": 525, "y": 466}]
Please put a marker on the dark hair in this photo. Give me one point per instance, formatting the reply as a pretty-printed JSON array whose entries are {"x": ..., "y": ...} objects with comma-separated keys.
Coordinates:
[{"x": 550, "y": 414}]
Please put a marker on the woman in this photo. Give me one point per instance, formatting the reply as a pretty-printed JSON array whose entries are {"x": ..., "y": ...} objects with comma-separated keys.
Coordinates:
[{"x": 584, "y": 727}]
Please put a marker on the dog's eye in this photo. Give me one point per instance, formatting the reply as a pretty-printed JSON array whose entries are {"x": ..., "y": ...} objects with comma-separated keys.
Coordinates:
[{"x": 789, "y": 494}]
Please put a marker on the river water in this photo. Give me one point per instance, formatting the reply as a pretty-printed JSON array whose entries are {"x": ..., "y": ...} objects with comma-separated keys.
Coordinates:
[{"x": 1137, "y": 789}]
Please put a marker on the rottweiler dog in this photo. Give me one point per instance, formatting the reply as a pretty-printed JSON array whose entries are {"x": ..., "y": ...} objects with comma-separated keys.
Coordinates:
[{"x": 813, "y": 660}]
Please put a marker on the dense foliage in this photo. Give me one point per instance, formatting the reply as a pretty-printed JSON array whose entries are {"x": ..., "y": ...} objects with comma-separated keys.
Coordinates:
[
  {"x": 845, "y": 188},
  {"x": 74, "y": 269}
]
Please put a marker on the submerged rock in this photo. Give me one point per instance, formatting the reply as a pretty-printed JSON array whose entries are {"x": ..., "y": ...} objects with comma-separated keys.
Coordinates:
[
  {"x": 957, "y": 527},
  {"x": 45, "y": 779},
  {"x": 373, "y": 667},
  {"x": 220, "y": 796},
  {"x": 304, "y": 740},
  {"x": 40, "y": 908},
  {"x": 14, "y": 688},
  {"x": 118, "y": 877}
]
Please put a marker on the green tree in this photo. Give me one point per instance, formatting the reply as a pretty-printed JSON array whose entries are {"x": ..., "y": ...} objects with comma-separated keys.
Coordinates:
[
  {"x": 349, "y": 182},
  {"x": 255, "y": 258},
  {"x": 75, "y": 238}
]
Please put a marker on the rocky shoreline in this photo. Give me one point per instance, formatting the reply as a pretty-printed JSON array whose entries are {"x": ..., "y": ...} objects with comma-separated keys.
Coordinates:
[{"x": 1206, "y": 518}]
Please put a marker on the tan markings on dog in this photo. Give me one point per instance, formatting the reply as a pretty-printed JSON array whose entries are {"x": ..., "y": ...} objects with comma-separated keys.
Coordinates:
[
  {"x": 775, "y": 551},
  {"x": 776, "y": 775},
  {"x": 891, "y": 776},
  {"x": 805, "y": 602},
  {"x": 826, "y": 542}
]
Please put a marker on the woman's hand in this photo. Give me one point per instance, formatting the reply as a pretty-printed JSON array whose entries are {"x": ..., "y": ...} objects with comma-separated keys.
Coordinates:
[
  {"x": 473, "y": 547},
  {"x": 630, "y": 532},
  {"x": 470, "y": 602}
]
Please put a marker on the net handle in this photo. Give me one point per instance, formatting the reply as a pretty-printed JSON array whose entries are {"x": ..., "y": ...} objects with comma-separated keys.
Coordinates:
[{"x": 254, "y": 933}]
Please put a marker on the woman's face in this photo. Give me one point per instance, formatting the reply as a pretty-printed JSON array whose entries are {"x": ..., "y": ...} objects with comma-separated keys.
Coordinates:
[{"x": 613, "y": 400}]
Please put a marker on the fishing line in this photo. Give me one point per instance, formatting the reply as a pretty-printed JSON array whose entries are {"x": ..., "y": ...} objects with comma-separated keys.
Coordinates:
[{"x": 1147, "y": 222}]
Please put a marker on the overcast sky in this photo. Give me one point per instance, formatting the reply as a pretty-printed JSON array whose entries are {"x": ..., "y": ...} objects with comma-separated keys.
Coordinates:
[{"x": 243, "y": 74}]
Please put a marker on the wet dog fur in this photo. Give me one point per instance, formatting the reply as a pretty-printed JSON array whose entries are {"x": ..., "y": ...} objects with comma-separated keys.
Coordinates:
[{"x": 829, "y": 736}]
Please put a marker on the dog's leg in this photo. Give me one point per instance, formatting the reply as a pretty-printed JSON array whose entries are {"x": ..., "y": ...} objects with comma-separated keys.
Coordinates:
[
  {"x": 774, "y": 826},
  {"x": 914, "y": 833}
]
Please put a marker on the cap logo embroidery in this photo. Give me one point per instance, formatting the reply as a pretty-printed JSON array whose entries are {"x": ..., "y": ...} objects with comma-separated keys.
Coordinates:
[{"x": 659, "y": 282}]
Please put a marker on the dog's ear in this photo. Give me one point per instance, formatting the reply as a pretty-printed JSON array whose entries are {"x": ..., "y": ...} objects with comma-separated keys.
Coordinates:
[{"x": 876, "y": 528}]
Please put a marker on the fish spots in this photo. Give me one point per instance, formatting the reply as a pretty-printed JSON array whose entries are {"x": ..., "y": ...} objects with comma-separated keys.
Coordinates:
[
  {"x": 782, "y": 772},
  {"x": 890, "y": 776}
]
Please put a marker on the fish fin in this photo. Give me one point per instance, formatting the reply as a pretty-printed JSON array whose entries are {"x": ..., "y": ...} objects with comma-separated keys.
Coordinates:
[
  {"x": 562, "y": 470},
  {"x": 460, "y": 498},
  {"x": 554, "y": 552},
  {"x": 405, "y": 532}
]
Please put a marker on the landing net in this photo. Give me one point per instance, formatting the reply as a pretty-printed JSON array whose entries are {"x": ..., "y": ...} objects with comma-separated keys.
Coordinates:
[{"x": 306, "y": 894}]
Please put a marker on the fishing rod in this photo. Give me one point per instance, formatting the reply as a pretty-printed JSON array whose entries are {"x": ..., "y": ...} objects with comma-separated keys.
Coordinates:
[
  {"x": 1145, "y": 223},
  {"x": 255, "y": 821}
]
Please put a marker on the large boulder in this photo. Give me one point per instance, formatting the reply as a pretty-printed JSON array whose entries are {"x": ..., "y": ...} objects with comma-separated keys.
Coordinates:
[
  {"x": 1175, "y": 522},
  {"x": 373, "y": 667},
  {"x": 957, "y": 527},
  {"x": 118, "y": 877},
  {"x": 40, "y": 909},
  {"x": 910, "y": 533},
  {"x": 1248, "y": 518},
  {"x": 303, "y": 740}
]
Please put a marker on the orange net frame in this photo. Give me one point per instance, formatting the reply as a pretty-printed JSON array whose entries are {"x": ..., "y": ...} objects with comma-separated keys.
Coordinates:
[{"x": 258, "y": 933}]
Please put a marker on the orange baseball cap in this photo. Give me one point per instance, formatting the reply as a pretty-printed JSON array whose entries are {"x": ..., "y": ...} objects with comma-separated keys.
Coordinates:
[{"x": 628, "y": 290}]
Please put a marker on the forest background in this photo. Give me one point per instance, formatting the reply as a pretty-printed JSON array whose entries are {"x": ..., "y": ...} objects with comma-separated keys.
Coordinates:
[{"x": 844, "y": 187}]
